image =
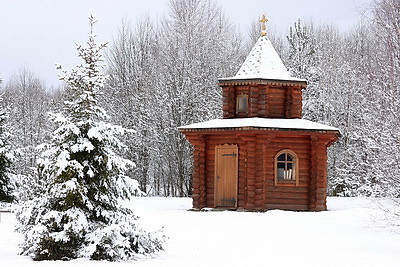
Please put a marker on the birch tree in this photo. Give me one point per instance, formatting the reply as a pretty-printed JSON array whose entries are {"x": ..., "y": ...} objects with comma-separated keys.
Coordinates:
[
  {"x": 133, "y": 68},
  {"x": 197, "y": 47},
  {"x": 29, "y": 102},
  {"x": 165, "y": 76},
  {"x": 384, "y": 80}
]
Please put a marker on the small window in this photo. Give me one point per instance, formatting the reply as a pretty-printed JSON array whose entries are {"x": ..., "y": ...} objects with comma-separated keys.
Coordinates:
[
  {"x": 242, "y": 103},
  {"x": 286, "y": 167}
]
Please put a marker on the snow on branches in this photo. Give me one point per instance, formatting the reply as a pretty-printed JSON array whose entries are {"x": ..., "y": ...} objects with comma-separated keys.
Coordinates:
[
  {"x": 5, "y": 157},
  {"x": 79, "y": 217}
]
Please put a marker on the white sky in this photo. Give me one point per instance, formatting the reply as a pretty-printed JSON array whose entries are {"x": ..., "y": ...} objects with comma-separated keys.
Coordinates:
[{"x": 36, "y": 34}]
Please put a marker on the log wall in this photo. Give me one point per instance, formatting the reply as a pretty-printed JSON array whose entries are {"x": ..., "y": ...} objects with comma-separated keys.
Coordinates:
[
  {"x": 256, "y": 168},
  {"x": 199, "y": 171},
  {"x": 288, "y": 196},
  {"x": 264, "y": 100}
]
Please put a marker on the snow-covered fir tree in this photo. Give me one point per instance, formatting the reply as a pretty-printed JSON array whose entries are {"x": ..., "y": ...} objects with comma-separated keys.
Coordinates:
[
  {"x": 79, "y": 217},
  {"x": 5, "y": 157}
]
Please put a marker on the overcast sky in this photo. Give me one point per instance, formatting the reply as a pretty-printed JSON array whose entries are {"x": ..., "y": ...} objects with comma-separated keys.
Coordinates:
[{"x": 36, "y": 34}]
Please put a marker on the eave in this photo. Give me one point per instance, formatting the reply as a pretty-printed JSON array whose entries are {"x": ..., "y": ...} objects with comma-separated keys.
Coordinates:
[
  {"x": 258, "y": 130},
  {"x": 257, "y": 81}
]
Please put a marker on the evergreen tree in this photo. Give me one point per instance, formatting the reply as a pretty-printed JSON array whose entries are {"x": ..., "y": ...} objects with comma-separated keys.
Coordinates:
[
  {"x": 80, "y": 216},
  {"x": 5, "y": 158}
]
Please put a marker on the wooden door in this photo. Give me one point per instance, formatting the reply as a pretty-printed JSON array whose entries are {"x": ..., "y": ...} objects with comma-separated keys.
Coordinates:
[{"x": 226, "y": 176}]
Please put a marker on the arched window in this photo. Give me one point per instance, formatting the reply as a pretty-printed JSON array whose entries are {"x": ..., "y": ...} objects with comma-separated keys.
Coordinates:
[{"x": 286, "y": 167}]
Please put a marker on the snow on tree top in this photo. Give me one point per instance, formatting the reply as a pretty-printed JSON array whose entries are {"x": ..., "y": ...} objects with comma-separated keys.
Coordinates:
[
  {"x": 263, "y": 62},
  {"x": 285, "y": 124}
]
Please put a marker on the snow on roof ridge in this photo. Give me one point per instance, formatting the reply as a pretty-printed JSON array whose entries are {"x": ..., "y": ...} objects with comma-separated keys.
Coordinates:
[{"x": 263, "y": 62}]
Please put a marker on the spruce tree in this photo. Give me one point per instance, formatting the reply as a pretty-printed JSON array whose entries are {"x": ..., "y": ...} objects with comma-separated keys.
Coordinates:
[
  {"x": 5, "y": 158},
  {"x": 80, "y": 216}
]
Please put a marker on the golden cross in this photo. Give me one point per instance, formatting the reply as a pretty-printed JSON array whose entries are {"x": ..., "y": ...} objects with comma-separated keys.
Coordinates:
[{"x": 263, "y": 20}]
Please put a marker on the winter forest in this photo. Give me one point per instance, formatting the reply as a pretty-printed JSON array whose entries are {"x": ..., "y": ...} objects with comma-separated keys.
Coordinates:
[{"x": 158, "y": 82}]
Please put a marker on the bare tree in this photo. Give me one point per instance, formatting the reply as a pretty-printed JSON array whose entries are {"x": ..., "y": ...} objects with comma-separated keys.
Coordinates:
[
  {"x": 132, "y": 66},
  {"x": 385, "y": 79},
  {"x": 29, "y": 104},
  {"x": 165, "y": 76},
  {"x": 197, "y": 47}
]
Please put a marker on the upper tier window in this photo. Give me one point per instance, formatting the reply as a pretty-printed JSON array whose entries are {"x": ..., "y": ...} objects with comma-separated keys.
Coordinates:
[{"x": 242, "y": 103}]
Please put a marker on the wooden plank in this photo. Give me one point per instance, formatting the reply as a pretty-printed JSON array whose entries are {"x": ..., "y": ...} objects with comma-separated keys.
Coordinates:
[
  {"x": 299, "y": 207},
  {"x": 290, "y": 140},
  {"x": 288, "y": 195},
  {"x": 298, "y": 201},
  {"x": 295, "y": 189}
]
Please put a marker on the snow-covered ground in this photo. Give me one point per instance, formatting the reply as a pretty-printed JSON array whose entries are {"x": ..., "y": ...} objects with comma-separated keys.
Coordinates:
[{"x": 351, "y": 233}]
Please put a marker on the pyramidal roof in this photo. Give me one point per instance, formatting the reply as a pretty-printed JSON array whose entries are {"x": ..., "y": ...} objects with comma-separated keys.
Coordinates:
[{"x": 263, "y": 62}]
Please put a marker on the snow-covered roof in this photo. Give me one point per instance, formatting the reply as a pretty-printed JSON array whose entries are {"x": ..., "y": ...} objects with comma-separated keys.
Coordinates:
[
  {"x": 284, "y": 124},
  {"x": 263, "y": 62}
]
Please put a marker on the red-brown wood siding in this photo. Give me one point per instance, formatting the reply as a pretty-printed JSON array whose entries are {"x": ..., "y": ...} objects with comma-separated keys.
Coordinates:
[
  {"x": 288, "y": 196},
  {"x": 264, "y": 100},
  {"x": 257, "y": 149}
]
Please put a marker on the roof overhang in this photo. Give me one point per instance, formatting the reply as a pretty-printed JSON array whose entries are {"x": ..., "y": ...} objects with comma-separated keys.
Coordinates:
[
  {"x": 256, "y": 81},
  {"x": 246, "y": 124}
]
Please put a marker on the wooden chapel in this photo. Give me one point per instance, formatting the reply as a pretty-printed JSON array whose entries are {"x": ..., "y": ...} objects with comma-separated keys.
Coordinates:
[{"x": 261, "y": 155}]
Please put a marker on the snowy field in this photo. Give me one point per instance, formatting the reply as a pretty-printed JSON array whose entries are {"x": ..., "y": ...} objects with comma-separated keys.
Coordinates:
[{"x": 351, "y": 233}]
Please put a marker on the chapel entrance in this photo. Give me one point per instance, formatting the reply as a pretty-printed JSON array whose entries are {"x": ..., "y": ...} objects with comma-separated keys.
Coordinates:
[{"x": 226, "y": 176}]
